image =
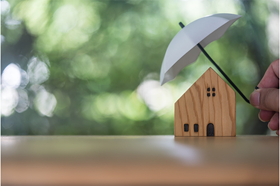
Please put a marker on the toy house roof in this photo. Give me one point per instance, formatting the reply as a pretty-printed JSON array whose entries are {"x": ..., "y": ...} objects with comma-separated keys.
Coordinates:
[{"x": 208, "y": 79}]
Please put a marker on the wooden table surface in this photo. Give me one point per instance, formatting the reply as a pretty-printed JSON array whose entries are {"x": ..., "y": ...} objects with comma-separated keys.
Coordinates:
[{"x": 139, "y": 160}]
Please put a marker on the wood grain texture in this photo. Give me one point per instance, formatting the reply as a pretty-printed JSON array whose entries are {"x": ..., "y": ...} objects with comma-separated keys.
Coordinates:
[
  {"x": 196, "y": 107},
  {"x": 139, "y": 160}
]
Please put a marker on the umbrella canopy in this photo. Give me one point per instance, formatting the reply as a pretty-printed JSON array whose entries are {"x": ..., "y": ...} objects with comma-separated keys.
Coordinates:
[{"x": 183, "y": 49}]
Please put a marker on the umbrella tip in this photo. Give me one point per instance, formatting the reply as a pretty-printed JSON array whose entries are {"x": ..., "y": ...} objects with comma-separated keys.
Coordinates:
[{"x": 182, "y": 25}]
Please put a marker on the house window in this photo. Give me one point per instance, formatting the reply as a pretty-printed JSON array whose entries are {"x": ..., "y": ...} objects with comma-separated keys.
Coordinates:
[
  {"x": 208, "y": 92},
  {"x": 213, "y": 92},
  {"x": 186, "y": 127},
  {"x": 195, "y": 127}
]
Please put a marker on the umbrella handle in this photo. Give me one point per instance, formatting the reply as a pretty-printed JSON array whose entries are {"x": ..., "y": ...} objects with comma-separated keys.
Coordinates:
[{"x": 222, "y": 72}]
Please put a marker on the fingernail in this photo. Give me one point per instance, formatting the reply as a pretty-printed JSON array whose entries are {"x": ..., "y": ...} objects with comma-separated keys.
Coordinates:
[
  {"x": 261, "y": 119},
  {"x": 255, "y": 98},
  {"x": 269, "y": 127}
]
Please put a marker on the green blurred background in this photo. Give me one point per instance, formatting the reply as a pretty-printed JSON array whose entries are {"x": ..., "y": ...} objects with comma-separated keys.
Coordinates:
[{"x": 86, "y": 67}]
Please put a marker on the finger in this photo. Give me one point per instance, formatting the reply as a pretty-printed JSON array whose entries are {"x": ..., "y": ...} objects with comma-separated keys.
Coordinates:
[
  {"x": 265, "y": 115},
  {"x": 274, "y": 122},
  {"x": 265, "y": 99},
  {"x": 271, "y": 76}
]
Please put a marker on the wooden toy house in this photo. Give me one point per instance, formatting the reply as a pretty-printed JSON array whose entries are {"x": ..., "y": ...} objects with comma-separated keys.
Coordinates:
[{"x": 207, "y": 108}]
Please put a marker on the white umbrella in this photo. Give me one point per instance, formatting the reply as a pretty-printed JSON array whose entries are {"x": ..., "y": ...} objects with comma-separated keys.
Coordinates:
[{"x": 186, "y": 46}]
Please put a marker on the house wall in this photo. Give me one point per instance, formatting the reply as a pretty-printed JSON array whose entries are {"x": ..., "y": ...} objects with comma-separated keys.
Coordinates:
[{"x": 196, "y": 107}]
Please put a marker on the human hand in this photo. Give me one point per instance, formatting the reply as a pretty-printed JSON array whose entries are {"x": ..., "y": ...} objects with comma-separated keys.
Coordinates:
[{"x": 266, "y": 98}]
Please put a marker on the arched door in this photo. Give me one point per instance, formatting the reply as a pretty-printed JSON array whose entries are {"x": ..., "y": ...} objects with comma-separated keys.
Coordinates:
[{"x": 210, "y": 130}]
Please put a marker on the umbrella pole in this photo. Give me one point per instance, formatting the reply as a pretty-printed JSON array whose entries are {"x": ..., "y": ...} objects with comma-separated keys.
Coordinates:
[{"x": 222, "y": 72}]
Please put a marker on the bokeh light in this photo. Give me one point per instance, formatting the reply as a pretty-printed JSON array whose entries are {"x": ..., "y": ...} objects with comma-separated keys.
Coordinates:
[
  {"x": 11, "y": 76},
  {"x": 37, "y": 70},
  {"x": 45, "y": 102},
  {"x": 9, "y": 100}
]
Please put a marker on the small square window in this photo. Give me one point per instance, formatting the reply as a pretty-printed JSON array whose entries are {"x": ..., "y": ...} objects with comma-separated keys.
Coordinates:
[
  {"x": 195, "y": 127},
  {"x": 213, "y": 89},
  {"x": 208, "y": 94},
  {"x": 208, "y": 89},
  {"x": 186, "y": 127}
]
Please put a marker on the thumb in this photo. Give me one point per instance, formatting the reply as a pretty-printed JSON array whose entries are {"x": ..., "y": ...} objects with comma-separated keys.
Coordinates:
[{"x": 265, "y": 99}]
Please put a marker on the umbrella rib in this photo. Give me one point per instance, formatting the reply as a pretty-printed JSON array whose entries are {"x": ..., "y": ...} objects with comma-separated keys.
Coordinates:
[{"x": 222, "y": 72}]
